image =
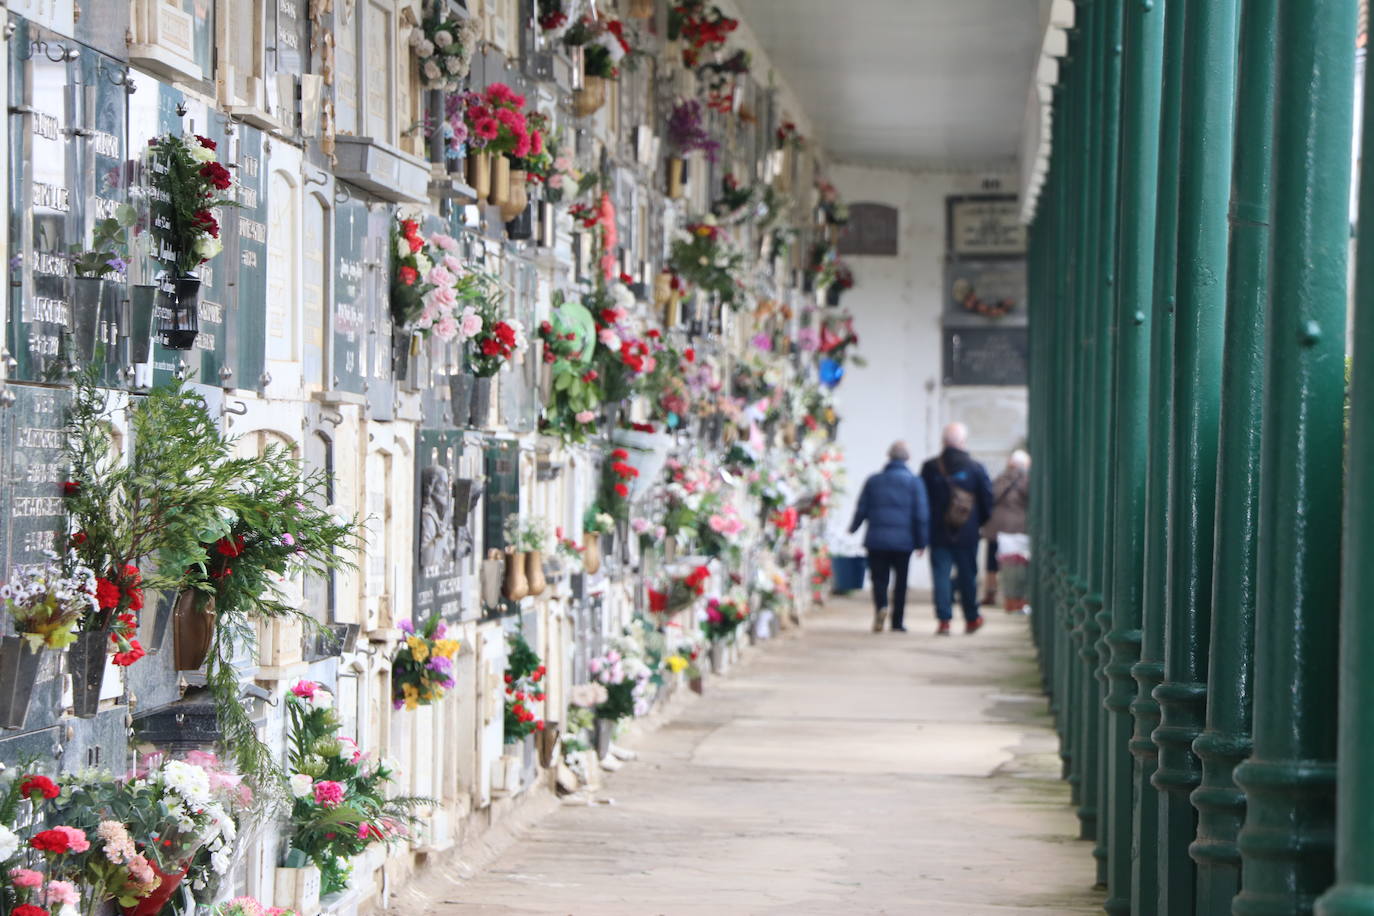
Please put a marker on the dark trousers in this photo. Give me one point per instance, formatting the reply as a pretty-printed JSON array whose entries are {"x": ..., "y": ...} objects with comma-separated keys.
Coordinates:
[
  {"x": 991, "y": 564},
  {"x": 965, "y": 561},
  {"x": 883, "y": 564}
]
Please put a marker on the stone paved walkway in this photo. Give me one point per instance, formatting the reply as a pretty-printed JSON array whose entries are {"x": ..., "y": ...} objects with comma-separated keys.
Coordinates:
[{"x": 839, "y": 772}]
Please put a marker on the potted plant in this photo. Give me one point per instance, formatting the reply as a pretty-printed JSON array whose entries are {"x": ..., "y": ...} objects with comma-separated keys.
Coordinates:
[
  {"x": 422, "y": 669},
  {"x": 107, "y": 257},
  {"x": 190, "y": 185},
  {"x": 595, "y": 523},
  {"x": 603, "y": 47},
  {"x": 46, "y": 603}
]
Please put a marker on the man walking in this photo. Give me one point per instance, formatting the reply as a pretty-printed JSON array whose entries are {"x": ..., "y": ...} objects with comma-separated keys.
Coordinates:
[
  {"x": 960, "y": 502},
  {"x": 893, "y": 502}
]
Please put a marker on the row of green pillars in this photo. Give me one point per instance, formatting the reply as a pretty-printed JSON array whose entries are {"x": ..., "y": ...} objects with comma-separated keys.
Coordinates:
[{"x": 1204, "y": 582}]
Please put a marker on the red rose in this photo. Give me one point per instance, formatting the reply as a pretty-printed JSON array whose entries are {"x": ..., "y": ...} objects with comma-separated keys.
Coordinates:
[
  {"x": 415, "y": 244},
  {"x": 409, "y": 275},
  {"x": 409, "y": 228},
  {"x": 70, "y": 488},
  {"x": 205, "y": 142},
  {"x": 652, "y": 334},
  {"x": 505, "y": 333},
  {"x": 38, "y": 785},
  {"x": 545, "y": 328},
  {"x": 690, "y": 355},
  {"x": 620, "y": 454},
  {"x": 54, "y": 841},
  {"x": 539, "y": 726},
  {"x": 217, "y": 175},
  {"x": 135, "y": 652},
  {"x": 491, "y": 347},
  {"x": 621, "y": 490},
  {"x": 607, "y": 316},
  {"x": 107, "y": 594}
]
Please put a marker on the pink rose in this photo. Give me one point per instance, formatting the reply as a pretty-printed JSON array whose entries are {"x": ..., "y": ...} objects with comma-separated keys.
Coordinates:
[
  {"x": 555, "y": 181},
  {"x": 446, "y": 328},
  {"x": 562, "y": 164},
  {"x": 585, "y": 416},
  {"x": 305, "y": 689},
  {"x": 609, "y": 339},
  {"x": 453, "y": 265},
  {"x": 439, "y": 275},
  {"x": 471, "y": 323}
]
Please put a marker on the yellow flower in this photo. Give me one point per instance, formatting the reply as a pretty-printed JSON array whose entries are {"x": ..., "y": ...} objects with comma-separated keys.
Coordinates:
[
  {"x": 676, "y": 663},
  {"x": 411, "y": 695},
  {"x": 419, "y": 649},
  {"x": 447, "y": 647}
]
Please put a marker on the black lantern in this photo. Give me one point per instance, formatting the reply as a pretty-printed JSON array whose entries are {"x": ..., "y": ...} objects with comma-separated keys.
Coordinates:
[{"x": 178, "y": 310}]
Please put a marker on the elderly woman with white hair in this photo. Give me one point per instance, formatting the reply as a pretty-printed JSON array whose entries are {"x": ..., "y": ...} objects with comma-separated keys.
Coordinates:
[{"x": 1010, "y": 503}]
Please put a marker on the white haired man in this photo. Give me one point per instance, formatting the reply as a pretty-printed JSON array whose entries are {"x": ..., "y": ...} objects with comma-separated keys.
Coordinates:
[{"x": 960, "y": 503}]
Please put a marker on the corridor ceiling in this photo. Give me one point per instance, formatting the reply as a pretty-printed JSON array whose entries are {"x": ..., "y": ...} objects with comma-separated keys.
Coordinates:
[{"x": 907, "y": 83}]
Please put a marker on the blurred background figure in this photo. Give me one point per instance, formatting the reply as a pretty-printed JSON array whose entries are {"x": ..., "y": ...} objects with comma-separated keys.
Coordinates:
[{"x": 1005, "y": 532}]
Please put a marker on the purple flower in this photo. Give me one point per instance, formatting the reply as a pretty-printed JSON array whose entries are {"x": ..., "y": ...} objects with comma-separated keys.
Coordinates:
[
  {"x": 440, "y": 663},
  {"x": 686, "y": 131},
  {"x": 407, "y": 627},
  {"x": 763, "y": 342},
  {"x": 440, "y": 630},
  {"x": 287, "y": 539},
  {"x": 117, "y": 264}
]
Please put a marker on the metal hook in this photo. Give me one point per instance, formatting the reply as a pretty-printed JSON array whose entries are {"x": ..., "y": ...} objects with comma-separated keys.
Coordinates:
[
  {"x": 333, "y": 419},
  {"x": 181, "y": 109},
  {"x": 238, "y": 410},
  {"x": 322, "y": 179},
  {"x": 347, "y": 194}
]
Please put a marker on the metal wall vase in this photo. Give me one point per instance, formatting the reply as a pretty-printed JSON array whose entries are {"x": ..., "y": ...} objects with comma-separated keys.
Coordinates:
[
  {"x": 87, "y": 296},
  {"x": 178, "y": 310},
  {"x": 18, "y": 677},
  {"x": 193, "y": 629},
  {"x": 86, "y": 664}
]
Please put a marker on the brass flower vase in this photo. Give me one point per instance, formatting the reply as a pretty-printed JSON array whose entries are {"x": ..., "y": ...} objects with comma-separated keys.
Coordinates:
[
  {"x": 500, "y": 182},
  {"x": 516, "y": 586},
  {"x": 479, "y": 173},
  {"x": 534, "y": 573},
  {"x": 516, "y": 196},
  {"x": 591, "y": 554}
]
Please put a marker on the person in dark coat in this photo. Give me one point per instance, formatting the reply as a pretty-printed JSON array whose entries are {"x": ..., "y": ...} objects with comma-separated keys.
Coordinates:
[
  {"x": 951, "y": 547},
  {"x": 893, "y": 503}
]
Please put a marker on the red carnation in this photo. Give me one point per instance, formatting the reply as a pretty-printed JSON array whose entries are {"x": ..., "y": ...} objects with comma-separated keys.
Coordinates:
[
  {"x": 690, "y": 355},
  {"x": 70, "y": 488},
  {"x": 621, "y": 490},
  {"x": 409, "y": 275},
  {"x": 652, "y": 334},
  {"x": 205, "y": 221},
  {"x": 106, "y": 593},
  {"x": 38, "y": 784},
  {"x": 491, "y": 347},
  {"x": 135, "y": 652},
  {"x": 620, "y": 454},
  {"x": 78, "y": 538},
  {"x": 135, "y": 599},
  {"x": 505, "y": 333},
  {"x": 28, "y": 909},
  {"x": 54, "y": 841},
  {"x": 205, "y": 142}
]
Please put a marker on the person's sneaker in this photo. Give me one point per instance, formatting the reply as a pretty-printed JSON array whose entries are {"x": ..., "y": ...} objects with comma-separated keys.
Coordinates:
[
  {"x": 899, "y": 629},
  {"x": 942, "y": 629},
  {"x": 973, "y": 626},
  {"x": 879, "y": 618}
]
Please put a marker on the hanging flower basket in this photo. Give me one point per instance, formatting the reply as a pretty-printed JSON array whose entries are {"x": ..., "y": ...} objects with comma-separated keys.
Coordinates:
[
  {"x": 648, "y": 452},
  {"x": 591, "y": 97},
  {"x": 178, "y": 310},
  {"x": 18, "y": 676}
]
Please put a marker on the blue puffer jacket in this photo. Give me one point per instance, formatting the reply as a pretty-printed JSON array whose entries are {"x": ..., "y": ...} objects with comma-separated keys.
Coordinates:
[
  {"x": 966, "y": 474},
  {"x": 893, "y": 502}
]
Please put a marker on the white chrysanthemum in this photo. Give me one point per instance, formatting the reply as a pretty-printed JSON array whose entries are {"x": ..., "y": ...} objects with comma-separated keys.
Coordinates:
[
  {"x": 187, "y": 780},
  {"x": 208, "y": 246},
  {"x": 302, "y": 785},
  {"x": 9, "y": 843},
  {"x": 425, "y": 48},
  {"x": 219, "y": 861},
  {"x": 402, "y": 247},
  {"x": 443, "y": 38},
  {"x": 431, "y": 70},
  {"x": 417, "y": 35},
  {"x": 452, "y": 64}
]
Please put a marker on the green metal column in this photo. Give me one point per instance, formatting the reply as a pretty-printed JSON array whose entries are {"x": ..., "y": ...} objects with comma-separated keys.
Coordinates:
[
  {"x": 1101, "y": 536},
  {"x": 1143, "y": 84},
  {"x": 1205, "y": 143},
  {"x": 1287, "y": 842},
  {"x": 1353, "y": 894},
  {"x": 1226, "y": 740},
  {"x": 1149, "y": 671}
]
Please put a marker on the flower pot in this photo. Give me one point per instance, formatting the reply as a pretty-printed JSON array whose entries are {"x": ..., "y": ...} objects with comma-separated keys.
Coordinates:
[
  {"x": 479, "y": 173},
  {"x": 648, "y": 454},
  {"x": 500, "y": 182},
  {"x": 18, "y": 676},
  {"x": 456, "y": 165},
  {"x": 833, "y": 292},
  {"x": 534, "y": 573},
  {"x": 86, "y": 664},
  {"x": 87, "y": 297},
  {"x": 547, "y": 743},
  {"x": 670, "y": 548},
  {"x": 516, "y": 585},
  {"x": 142, "y": 308},
  {"x": 517, "y": 198},
  {"x": 548, "y": 225},
  {"x": 677, "y": 175},
  {"x": 591, "y": 553},
  {"x": 604, "y": 730},
  {"x": 493, "y": 568},
  {"x": 460, "y": 397},
  {"x": 178, "y": 310},
  {"x": 193, "y": 629},
  {"x": 481, "y": 402},
  {"x": 589, "y": 99},
  {"x": 521, "y": 227},
  {"x": 152, "y": 904},
  {"x": 717, "y": 656},
  {"x": 545, "y": 380},
  {"x": 297, "y": 889},
  {"x": 696, "y": 685}
]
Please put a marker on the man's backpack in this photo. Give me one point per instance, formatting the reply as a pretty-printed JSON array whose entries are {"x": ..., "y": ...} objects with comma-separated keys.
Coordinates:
[{"x": 961, "y": 501}]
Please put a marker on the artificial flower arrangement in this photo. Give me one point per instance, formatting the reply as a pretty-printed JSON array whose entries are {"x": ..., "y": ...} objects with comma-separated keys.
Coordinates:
[
  {"x": 524, "y": 672},
  {"x": 723, "y": 617},
  {"x": 701, "y": 27},
  {"x": 681, "y": 592},
  {"x": 529, "y": 535},
  {"x": 788, "y": 135},
  {"x": 623, "y": 359},
  {"x": 603, "y": 44},
  {"x": 687, "y": 131},
  {"x": 188, "y": 184},
  {"x": 616, "y": 475},
  {"x": 497, "y": 124},
  {"x": 556, "y": 170},
  {"x": 422, "y": 669},
  {"x": 249, "y": 906},
  {"x": 720, "y": 78},
  {"x": 432, "y": 291},
  {"x": 734, "y": 200},
  {"x": 574, "y": 387},
  {"x": 341, "y": 802},
  {"x": 443, "y": 46},
  {"x": 703, "y": 256},
  {"x": 625, "y": 681},
  {"x": 499, "y": 339},
  {"x": 109, "y": 249},
  {"x": 719, "y": 527},
  {"x": 47, "y": 602},
  {"x": 553, "y": 16},
  {"x": 835, "y": 210}
]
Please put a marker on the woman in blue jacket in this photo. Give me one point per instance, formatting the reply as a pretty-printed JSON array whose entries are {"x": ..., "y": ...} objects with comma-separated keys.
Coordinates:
[{"x": 894, "y": 505}]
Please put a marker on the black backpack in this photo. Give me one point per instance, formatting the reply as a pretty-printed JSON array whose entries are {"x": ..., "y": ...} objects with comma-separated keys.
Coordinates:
[{"x": 961, "y": 501}]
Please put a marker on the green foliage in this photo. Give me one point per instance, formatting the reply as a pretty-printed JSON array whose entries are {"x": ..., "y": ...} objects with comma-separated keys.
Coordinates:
[
  {"x": 109, "y": 245},
  {"x": 524, "y": 672},
  {"x": 620, "y": 701},
  {"x": 706, "y": 260}
]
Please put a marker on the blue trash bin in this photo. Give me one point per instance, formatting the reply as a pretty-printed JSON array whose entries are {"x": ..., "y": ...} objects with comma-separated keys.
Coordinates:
[{"x": 849, "y": 573}]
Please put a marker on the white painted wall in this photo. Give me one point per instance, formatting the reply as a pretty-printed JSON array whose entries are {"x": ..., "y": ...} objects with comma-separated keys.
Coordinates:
[{"x": 896, "y": 307}]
